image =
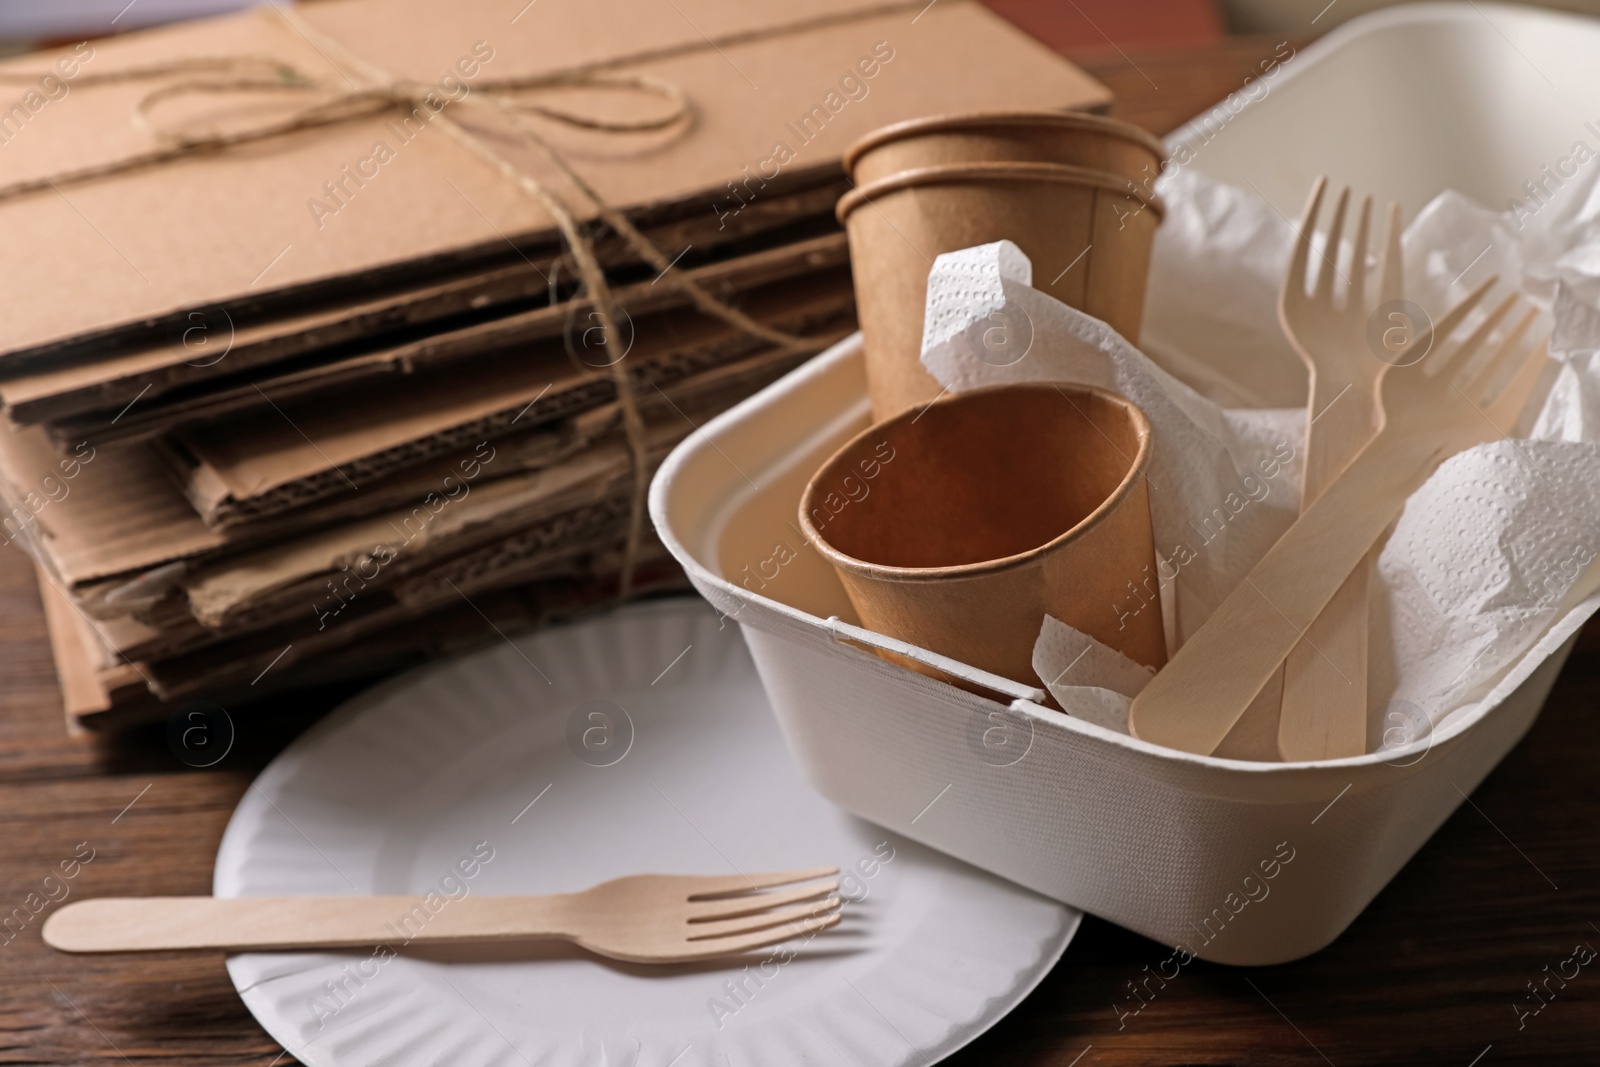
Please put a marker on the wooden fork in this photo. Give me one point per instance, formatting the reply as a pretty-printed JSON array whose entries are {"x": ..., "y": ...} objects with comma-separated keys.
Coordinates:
[
  {"x": 1323, "y": 711},
  {"x": 643, "y": 918},
  {"x": 1426, "y": 415}
]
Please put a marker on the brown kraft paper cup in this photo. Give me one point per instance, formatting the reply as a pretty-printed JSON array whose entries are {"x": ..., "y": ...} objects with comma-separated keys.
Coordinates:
[
  {"x": 958, "y": 527},
  {"x": 1073, "y": 138},
  {"x": 1088, "y": 236}
]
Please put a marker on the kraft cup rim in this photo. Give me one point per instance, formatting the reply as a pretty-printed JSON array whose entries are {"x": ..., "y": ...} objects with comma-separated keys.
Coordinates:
[
  {"x": 1009, "y": 171},
  {"x": 1137, "y": 473},
  {"x": 1083, "y": 120}
]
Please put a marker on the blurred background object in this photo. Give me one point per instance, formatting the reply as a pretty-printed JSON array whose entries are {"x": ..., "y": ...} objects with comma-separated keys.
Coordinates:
[
  {"x": 1072, "y": 27},
  {"x": 1083, "y": 26},
  {"x": 28, "y": 24},
  {"x": 1296, "y": 16}
]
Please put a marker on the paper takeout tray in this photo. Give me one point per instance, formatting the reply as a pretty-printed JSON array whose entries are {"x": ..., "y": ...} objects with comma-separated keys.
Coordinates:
[{"x": 1243, "y": 863}]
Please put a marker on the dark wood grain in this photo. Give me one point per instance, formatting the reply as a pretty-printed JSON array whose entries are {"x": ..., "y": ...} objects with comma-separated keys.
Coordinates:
[
  {"x": 1162, "y": 90},
  {"x": 1428, "y": 974}
]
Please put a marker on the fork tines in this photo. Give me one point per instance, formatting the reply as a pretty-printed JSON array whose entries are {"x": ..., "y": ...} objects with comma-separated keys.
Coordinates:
[
  {"x": 1353, "y": 301},
  {"x": 1497, "y": 381},
  {"x": 737, "y": 913}
]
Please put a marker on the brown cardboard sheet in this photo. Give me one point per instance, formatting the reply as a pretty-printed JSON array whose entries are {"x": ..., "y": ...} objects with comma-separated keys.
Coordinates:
[
  {"x": 115, "y": 530},
  {"x": 560, "y": 539},
  {"x": 306, "y": 575},
  {"x": 292, "y": 453},
  {"x": 129, "y": 254},
  {"x": 94, "y": 681},
  {"x": 76, "y": 668},
  {"x": 117, "y": 389},
  {"x": 106, "y": 512},
  {"x": 564, "y": 590},
  {"x": 346, "y": 368},
  {"x": 121, "y": 255},
  {"x": 488, "y": 519},
  {"x": 394, "y": 634}
]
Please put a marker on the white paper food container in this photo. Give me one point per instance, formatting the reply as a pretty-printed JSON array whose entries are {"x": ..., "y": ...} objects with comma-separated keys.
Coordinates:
[
  {"x": 1168, "y": 844},
  {"x": 1408, "y": 101}
]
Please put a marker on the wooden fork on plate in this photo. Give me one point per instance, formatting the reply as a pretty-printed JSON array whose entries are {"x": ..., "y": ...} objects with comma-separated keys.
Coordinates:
[
  {"x": 643, "y": 918},
  {"x": 1434, "y": 400}
]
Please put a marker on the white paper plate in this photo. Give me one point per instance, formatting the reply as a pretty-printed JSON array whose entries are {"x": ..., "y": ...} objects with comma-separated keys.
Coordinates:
[{"x": 686, "y": 773}]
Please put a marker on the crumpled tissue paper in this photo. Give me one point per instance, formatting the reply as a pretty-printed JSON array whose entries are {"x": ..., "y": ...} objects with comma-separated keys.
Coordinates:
[{"x": 1494, "y": 548}]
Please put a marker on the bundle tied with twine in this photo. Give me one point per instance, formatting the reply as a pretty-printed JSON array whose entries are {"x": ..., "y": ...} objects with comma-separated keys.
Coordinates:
[{"x": 373, "y": 91}]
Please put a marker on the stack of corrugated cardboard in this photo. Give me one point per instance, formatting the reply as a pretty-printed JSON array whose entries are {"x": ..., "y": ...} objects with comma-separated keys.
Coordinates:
[{"x": 306, "y": 365}]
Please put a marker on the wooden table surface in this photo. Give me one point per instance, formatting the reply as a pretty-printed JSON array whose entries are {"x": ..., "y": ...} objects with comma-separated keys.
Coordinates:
[{"x": 1430, "y": 973}]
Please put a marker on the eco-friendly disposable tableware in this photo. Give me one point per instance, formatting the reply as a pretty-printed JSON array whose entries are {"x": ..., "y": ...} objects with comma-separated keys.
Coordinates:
[
  {"x": 958, "y": 526},
  {"x": 639, "y": 918},
  {"x": 1144, "y": 836},
  {"x": 1147, "y": 837},
  {"x": 1431, "y": 402},
  {"x": 1075, "y": 138},
  {"x": 636, "y": 740},
  {"x": 1087, "y": 233},
  {"x": 1324, "y": 703}
]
